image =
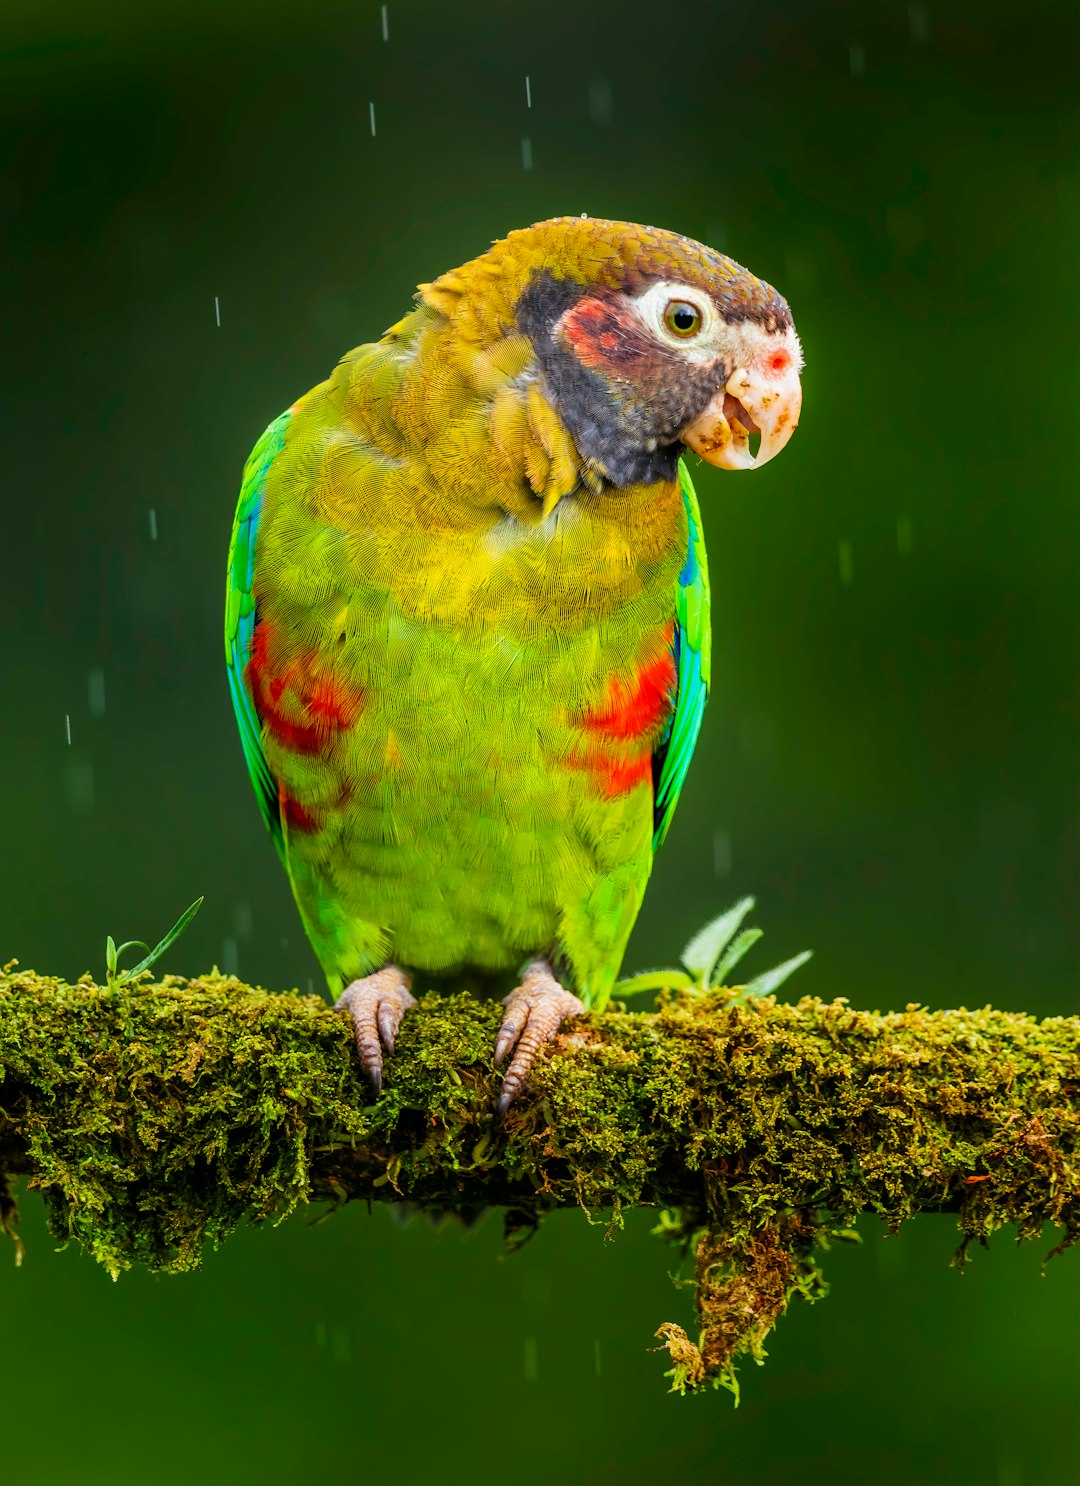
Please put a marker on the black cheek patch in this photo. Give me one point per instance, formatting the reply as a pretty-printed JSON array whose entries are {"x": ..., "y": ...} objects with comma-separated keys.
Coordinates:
[{"x": 544, "y": 300}]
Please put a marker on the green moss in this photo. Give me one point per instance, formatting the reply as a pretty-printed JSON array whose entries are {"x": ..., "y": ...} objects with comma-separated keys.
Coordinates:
[
  {"x": 155, "y": 1117},
  {"x": 744, "y": 1285}
]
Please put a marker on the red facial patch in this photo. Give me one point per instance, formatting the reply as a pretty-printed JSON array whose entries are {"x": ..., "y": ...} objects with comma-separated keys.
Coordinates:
[
  {"x": 301, "y": 703},
  {"x": 606, "y": 336},
  {"x": 777, "y": 363}
]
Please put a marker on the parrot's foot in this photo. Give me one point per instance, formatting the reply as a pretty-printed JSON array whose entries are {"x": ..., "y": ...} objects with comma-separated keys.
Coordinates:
[
  {"x": 534, "y": 1013},
  {"x": 376, "y": 1005}
]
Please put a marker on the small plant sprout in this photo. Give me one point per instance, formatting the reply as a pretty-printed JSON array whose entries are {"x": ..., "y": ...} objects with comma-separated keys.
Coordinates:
[
  {"x": 711, "y": 956},
  {"x": 116, "y": 977}
]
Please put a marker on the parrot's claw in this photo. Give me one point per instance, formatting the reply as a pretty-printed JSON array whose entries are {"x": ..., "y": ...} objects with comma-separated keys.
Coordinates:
[
  {"x": 534, "y": 1014},
  {"x": 376, "y": 1005}
]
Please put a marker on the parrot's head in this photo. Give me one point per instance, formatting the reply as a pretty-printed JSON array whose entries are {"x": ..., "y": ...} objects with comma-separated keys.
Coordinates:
[{"x": 646, "y": 343}]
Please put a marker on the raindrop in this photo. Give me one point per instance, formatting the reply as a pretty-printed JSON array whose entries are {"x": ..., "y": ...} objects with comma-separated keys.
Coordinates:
[
  {"x": 600, "y": 100},
  {"x": 230, "y": 957},
  {"x": 905, "y": 536},
  {"x": 857, "y": 58},
  {"x": 153, "y": 524},
  {"x": 371, "y": 114},
  {"x": 310, "y": 986},
  {"x": 67, "y": 726},
  {"x": 531, "y": 1360},
  {"x": 79, "y": 783},
  {"x": 243, "y": 922},
  {"x": 385, "y": 25},
  {"x": 847, "y": 563},
  {"x": 584, "y": 216},
  {"x": 217, "y": 311},
  {"x": 918, "y": 22},
  {"x": 528, "y": 92},
  {"x": 96, "y": 693},
  {"x": 341, "y": 1345},
  {"x": 526, "y": 153},
  {"x": 721, "y": 853}
]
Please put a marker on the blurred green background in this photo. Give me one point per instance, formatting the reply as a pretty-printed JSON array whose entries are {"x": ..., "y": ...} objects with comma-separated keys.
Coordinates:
[{"x": 889, "y": 761}]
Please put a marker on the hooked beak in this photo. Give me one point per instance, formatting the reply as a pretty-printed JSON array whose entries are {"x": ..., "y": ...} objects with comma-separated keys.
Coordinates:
[{"x": 750, "y": 402}]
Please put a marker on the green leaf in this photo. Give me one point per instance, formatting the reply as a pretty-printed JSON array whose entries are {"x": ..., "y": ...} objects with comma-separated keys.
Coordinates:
[
  {"x": 110, "y": 956},
  {"x": 706, "y": 947},
  {"x": 772, "y": 980},
  {"x": 131, "y": 944},
  {"x": 653, "y": 980},
  {"x": 733, "y": 954},
  {"x": 163, "y": 944}
]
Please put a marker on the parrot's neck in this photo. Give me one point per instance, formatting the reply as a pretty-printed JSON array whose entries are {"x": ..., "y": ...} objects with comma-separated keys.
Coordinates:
[{"x": 470, "y": 471}]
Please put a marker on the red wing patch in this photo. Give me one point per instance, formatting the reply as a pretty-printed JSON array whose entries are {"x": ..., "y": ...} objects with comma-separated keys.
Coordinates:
[
  {"x": 632, "y": 711},
  {"x": 293, "y": 814},
  {"x": 614, "y": 777},
  {"x": 301, "y": 703}
]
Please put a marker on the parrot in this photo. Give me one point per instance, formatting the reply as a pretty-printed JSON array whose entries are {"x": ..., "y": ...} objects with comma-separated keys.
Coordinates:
[{"x": 467, "y": 627}]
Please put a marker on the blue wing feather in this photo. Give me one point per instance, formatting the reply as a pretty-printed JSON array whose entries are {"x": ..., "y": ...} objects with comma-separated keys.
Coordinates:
[
  {"x": 692, "y": 646},
  {"x": 240, "y": 622}
]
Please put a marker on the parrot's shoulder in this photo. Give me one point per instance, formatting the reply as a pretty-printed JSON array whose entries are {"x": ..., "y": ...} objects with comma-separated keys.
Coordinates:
[{"x": 692, "y": 645}]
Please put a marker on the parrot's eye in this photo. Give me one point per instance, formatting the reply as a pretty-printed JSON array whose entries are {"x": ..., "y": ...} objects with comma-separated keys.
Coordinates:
[{"x": 682, "y": 318}]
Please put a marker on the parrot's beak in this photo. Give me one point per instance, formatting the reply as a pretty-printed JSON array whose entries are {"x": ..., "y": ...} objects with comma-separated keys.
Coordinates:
[{"x": 750, "y": 402}]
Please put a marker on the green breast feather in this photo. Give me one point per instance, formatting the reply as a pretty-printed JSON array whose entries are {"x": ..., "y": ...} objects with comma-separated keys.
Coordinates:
[{"x": 671, "y": 758}]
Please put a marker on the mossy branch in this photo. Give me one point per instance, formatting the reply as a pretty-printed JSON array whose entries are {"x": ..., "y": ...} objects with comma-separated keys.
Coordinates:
[{"x": 153, "y": 1117}]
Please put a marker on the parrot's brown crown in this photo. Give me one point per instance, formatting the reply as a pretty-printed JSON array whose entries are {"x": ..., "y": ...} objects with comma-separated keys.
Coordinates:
[{"x": 481, "y": 297}]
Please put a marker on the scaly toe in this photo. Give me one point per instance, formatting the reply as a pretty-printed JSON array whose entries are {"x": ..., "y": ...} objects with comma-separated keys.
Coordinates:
[
  {"x": 534, "y": 1014},
  {"x": 376, "y": 1005}
]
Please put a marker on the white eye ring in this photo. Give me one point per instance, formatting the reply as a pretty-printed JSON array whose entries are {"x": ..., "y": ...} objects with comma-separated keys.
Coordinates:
[{"x": 699, "y": 343}]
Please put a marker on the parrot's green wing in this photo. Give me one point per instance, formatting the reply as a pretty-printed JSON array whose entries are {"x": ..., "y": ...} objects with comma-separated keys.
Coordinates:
[
  {"x": 692, "y": 644},
  {"x": 240, "y": 622}
]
